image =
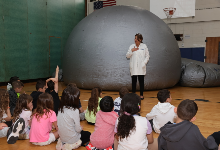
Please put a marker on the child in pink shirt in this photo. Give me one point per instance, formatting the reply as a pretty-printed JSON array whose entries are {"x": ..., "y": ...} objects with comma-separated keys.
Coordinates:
[
  {"x": 43, "y": 118},
  {"x": 103, "y": 136}
]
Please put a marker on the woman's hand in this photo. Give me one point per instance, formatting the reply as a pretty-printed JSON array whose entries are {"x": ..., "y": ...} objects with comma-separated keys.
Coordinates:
[{"x": 134, "y": 49}]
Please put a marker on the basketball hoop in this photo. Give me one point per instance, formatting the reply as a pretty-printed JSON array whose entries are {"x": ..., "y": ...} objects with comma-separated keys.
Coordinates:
[{"x": 169, "y": 12}]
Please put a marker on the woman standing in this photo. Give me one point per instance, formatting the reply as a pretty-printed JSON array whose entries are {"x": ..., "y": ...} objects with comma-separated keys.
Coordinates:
[{"x": 139, "y": 57}]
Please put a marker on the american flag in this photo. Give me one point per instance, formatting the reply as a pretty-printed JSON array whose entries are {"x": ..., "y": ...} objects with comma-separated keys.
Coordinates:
[{"x": 101, "y": 4}]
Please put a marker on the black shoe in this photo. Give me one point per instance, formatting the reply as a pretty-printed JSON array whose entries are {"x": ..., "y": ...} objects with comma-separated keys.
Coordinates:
[
  {"x": 142, "y": 98},
  {"x": 14, "y": 131}
]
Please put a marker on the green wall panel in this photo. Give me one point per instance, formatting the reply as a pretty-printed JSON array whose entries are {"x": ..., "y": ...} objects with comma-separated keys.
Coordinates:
[
  {"x": 79, "y": 10},
  {"x": 25, "y": 32},
  {"x": 67, "y": 20},
  {"x": 54, "y": 22},
  {"x": 54, "y": 17},
  {"x": 55, "y": 53},
  {"x": 16, "y": 38},
  {"x": 38, "y": 39},
  {"x": 2, "y": 50}
]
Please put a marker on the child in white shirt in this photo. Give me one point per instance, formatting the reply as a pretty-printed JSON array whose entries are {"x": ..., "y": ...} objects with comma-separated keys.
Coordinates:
[
  {"x": 23, "y": 110},
  {"x": 162, "y": 112},
  {"x": 117, "y": 101},
  {"x": 133, "y": 132}
]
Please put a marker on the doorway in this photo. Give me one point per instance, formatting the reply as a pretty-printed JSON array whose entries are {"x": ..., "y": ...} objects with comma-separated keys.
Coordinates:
[{"x": 212, "y": 50}]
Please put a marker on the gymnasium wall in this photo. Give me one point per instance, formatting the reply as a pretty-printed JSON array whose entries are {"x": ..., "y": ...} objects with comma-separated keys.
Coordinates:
[
  {"x": 30, "y": 30},
  {"x": 206, "y": 23}
]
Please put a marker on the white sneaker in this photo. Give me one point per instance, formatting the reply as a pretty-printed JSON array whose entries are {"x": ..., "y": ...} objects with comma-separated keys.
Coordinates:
[{"x": 14, "y": 131}]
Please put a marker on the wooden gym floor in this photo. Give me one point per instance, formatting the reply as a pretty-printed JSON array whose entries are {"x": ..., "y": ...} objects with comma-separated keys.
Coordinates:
[{"x": 208, "y": 115}]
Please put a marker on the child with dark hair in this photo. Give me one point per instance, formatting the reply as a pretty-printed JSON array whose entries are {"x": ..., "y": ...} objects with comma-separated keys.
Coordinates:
[
  {"x": 40, "y": 87},
  {"x": 23, "y": 110},
  {"x": 133, "y": 131},
  {"x": 12, "y": 132},
  {"x": 93, "y": 105},
  {"x": 81, "y": 111},
  {"x": 103, "y": 136},
  {"x": 117, "y": 102},
  {"x": 52, "y": 84},
  {"x": 12, "y": 79},
  {"x": 71, "y": 134},
  {"x": 17, "y": 87},
  {"x": 162, "y": 112},
  {"x": 184, "y": 135},
  {"x": 42, "y": 120}
]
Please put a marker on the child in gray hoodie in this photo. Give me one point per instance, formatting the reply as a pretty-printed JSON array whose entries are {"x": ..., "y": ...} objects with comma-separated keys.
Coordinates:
[{"x": 184, "y": 135}]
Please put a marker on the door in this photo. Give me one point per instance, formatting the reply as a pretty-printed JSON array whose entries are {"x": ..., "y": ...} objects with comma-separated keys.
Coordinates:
[{"x": 212, "y": 44}]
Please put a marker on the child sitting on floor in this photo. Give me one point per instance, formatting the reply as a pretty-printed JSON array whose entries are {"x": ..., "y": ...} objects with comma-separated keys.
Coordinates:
[
  {"x": 42, "y": 120},
  {"x": 93, "y": 105},
  {"x": 162, "y": 112},
  {"x": 71, "y": 134},
  {"x": 103, "y": 136},
  {"x": 133, "y": 132},
  {"x": 81, "y": 110},
  {"x": 117, "y": 102},
  {"x": 5, "y": 114},
  {"x": 52, "y": 84},
  {"x": 184, "y": 135},
  {"x": 17, "y": 87},
  {"x": 40, "y": 87},
  {"x": 23, "y": 110},
  {"x": 12, "y": 79},
  {"x": 12, "y": 132}
]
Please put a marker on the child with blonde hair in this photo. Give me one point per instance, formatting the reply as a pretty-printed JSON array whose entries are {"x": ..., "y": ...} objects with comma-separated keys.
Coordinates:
[
  {"x": 93, "y": 105},
  {"x": 42, "y": 120},
  {"x": 23, "y": 110}
]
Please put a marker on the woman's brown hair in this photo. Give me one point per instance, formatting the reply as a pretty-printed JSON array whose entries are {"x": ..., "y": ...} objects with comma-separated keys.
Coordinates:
[
  {"x": 139, "y": 37},
  {"x": 4, "y": 102},
  {"x": 21, "y": 104},
  {"x": 44, "y": 106},
  {"x": 94, "y": 100}
]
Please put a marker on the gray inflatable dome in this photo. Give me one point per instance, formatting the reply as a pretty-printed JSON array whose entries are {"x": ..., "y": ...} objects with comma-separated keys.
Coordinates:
[
  {"x": 199, "y": 74},
  {"x": 95, "y": 52}
]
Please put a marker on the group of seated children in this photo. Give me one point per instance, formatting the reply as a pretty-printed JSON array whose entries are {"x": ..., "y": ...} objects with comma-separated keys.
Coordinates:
[
  {"x": 43, "y": 118},
  {"x": 41, "y": 125},
  {"x": 131, "y": 131}
]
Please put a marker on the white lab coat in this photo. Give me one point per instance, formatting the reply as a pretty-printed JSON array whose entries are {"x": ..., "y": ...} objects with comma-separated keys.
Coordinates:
[{"x": 138, "y": 59}]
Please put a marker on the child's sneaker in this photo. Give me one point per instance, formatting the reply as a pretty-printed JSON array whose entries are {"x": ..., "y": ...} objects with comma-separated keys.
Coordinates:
[
  {"x": 14, "y": 131},
  {"x": 59, "y": 145}
]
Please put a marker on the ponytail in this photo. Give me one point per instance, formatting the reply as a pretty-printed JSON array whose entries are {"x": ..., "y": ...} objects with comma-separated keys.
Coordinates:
[
  {"x": 130, "y": 105},
  {"x": 126, "y": 124}
]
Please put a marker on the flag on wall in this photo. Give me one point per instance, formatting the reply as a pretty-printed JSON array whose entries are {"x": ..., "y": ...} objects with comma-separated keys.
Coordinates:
[{"x": 101, "y": 4}]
